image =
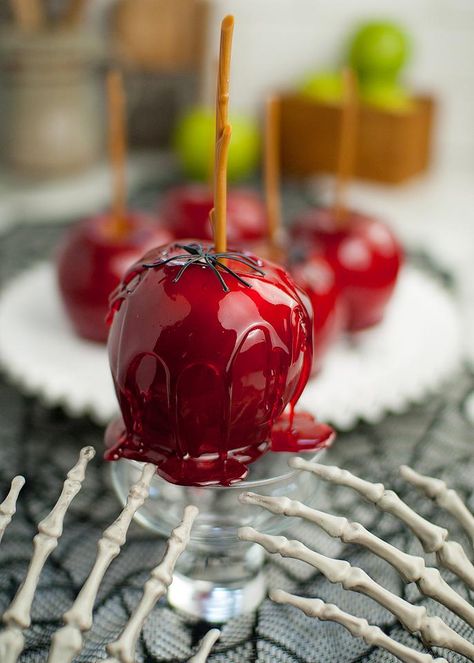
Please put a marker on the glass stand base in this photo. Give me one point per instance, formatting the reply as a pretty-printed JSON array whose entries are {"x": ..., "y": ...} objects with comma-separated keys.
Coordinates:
[
  {"x": 218, "y": 577},
  {"x": 216, "y": 602},
  {"x": 217, "y": 585}
]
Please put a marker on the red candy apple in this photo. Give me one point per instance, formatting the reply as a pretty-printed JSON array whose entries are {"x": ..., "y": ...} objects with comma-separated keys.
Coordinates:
[
  {"x": 206, "y": 350},
  {"x": 365, "y": 256},
  {"x": 186, "y": 212},
  {"x": 317, "y": 278},
  {"x": 92, "y": 260}
]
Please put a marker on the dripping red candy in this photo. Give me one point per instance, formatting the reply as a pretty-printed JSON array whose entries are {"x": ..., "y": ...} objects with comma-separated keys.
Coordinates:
[{"x": 205, "y": 357}]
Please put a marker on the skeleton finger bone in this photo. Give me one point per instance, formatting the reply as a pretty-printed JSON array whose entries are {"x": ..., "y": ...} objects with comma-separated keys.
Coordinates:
[
  {"x": 359, "y": 628},
  {"x": 18, "y": 616},
  {"x": 8, "y": 506},
  {"x": 67, "y": 642},
  {"x": 445, "y": 497},
  {"x": 205, "y": 647},
  {"x": 434, "y": 539},
  {"x": 411, "y": 568},
  {"x": 433, "y": 631},
  {"x": 123, "y": 649}
]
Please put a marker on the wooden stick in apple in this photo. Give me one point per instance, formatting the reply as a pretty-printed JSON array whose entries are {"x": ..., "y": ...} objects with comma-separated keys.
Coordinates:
[
  {"x": 347, "y": 143},
  {"x": 223, "y": 135},
  {"x": 272, "y": 174},
  {"x": 117, "y": 150}
]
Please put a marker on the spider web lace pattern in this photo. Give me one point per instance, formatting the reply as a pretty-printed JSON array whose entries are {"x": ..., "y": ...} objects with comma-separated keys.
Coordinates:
[{"x": 42, "y": 444}]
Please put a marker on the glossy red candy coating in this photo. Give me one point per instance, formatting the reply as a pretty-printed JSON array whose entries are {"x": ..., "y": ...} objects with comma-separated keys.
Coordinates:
[
  {"x": 202, "y": 374},
  {"x": 186, "y": 210},
  {"x": 366, "y": 258},
  {"x": 299, "y": 432},
  {"x": 91, "y": 263},
  {"x": 317, "y": 278}
]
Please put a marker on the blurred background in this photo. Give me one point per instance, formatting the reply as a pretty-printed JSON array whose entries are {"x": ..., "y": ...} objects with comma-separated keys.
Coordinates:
[
  {"x": 168, "y": 47},
  {"x": 54, "y": 56}
]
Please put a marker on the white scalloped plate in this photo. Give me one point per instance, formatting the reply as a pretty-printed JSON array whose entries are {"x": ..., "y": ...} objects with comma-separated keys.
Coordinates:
[{"x": 408, "y": 356}]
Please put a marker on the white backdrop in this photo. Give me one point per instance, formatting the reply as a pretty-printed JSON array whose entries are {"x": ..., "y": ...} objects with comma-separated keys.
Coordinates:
[{"x": 276, "y": 41}]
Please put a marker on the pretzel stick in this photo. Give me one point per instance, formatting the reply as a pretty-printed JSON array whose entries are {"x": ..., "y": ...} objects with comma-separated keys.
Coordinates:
[
  {"x": 161, "y": 577},
  {"x": 67, "y": 642},
  {"x": 207, "y": 643},
  {"x": 18, "y": 616},
  {"x": 359, "y": 628},
  {"x": 8, "y": 506},
  {"x": 433, "y": 631},
  {"x": 223, "y": 135},
  {"x": 412, "y": 569},
  {"x": 445, "y": 497},
  {"x": 434, "y": 539},
  {"x": 347, "y": 143},
  {"x": 117, "y": 150},
  {"x": 28, "y": 14}
]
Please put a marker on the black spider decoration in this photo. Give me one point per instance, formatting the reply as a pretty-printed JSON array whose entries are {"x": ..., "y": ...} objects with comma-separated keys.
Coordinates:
[{"x": 196, "y": 254}]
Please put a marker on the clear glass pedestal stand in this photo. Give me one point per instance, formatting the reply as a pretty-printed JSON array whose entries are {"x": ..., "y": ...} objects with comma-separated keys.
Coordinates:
[{"x": 219, "y": 576}]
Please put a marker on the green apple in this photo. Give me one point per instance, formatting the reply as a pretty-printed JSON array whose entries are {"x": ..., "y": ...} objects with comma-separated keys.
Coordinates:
[
  {"x": 326, "y": 86},
  {"x": 379, "y": 49},
  {"x": 388, "y": 96},
  {"x": 194, "y": 143}
]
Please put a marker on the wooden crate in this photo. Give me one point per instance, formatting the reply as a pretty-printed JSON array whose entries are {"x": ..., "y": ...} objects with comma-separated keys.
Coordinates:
[{"x": 391, "y": 147}]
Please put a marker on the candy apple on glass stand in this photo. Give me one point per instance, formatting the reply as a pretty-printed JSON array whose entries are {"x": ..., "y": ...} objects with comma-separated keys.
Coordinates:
[
  {"x": 248, "y": 358},
  {"x": 210, "y": 348}
]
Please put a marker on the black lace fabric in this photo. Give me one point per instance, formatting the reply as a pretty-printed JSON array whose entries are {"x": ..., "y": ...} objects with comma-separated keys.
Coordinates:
[{"x": 434, "y": 438}]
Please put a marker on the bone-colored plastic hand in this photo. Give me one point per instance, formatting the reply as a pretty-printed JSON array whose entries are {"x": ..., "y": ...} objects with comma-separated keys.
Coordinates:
[
  {"x": 359, "y": 628},
  {"x": 445, "y": 497},
  {"x": 207, "y": 643},
  {"x": 434, "y": 539},
  {"x": 433, "y": 631},
  {"x": 18, "y": 616},
  {"x": 123, "y": 649},
  {"x": 8, "y": 506},
  {"x": 411, "y": 568},
  {"x": 68, "y": 641}
]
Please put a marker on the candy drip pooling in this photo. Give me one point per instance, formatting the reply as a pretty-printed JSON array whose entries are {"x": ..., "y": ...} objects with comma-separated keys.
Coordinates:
[{"x": 203, "y": 373}]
